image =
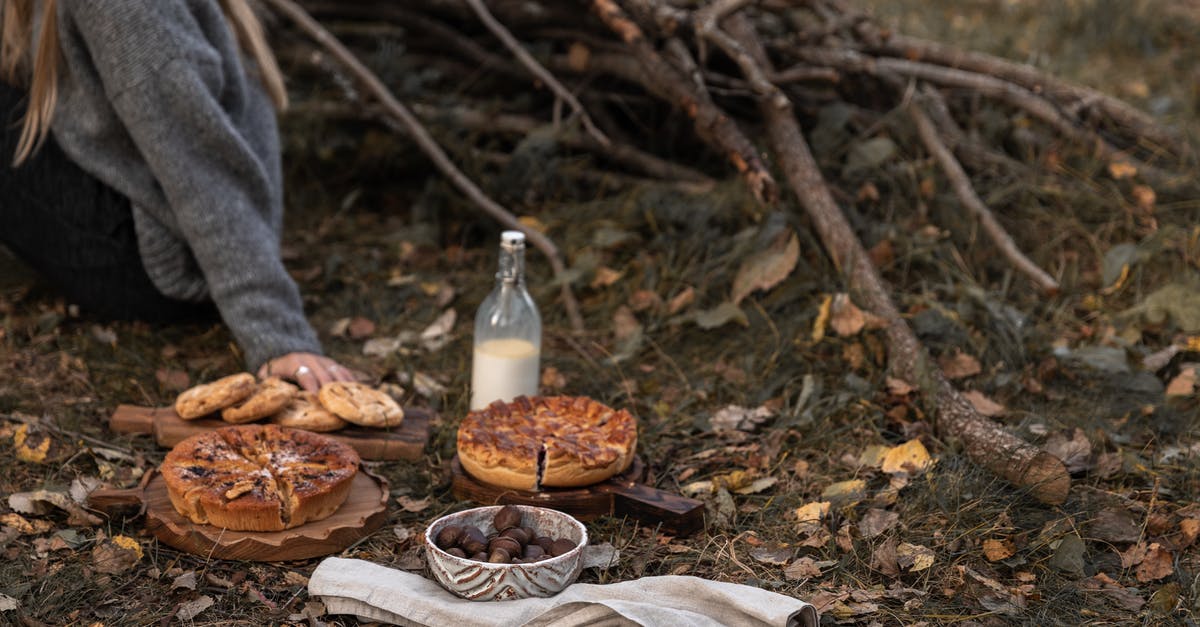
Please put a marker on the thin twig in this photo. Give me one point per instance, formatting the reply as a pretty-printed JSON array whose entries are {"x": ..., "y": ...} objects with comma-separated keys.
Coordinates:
[
  {"x": 712, "y": 124},
  {"x": 541, "y": 73},
  {"x": 967, "y": 196},
  {"x": 430, "y": 147}
]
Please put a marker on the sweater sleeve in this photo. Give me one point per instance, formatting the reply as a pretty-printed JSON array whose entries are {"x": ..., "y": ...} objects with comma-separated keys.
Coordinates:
[{"x": 172, "y": 72}]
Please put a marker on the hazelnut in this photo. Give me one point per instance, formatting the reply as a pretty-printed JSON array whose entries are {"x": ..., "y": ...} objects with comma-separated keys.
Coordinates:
[
  {"x": 529, "y": 532},
  {"x": 508, "y": 516},
  {"x": 456, "y": 552},
  {"x": 560, "y": 546},
  {"x": 448, "y": 536},
  {"x": 516, "y": 533},
  {"x": 532, "y": 551},
  {"x": 546, "y": 542},
  {"x": 512, "y": 547},
  {"x": 480, "y": 557},
  {"x": 499, "y": 556}
]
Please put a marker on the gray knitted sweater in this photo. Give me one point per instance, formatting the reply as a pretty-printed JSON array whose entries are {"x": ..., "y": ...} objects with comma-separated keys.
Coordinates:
[{"x": 155, "y": 102}]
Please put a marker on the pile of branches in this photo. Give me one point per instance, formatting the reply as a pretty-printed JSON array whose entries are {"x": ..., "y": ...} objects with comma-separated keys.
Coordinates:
[{"x": 746, "y": 73}]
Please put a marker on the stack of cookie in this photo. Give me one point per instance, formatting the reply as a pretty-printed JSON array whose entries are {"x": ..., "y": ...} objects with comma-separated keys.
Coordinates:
[{"x": 239, "y": 398}]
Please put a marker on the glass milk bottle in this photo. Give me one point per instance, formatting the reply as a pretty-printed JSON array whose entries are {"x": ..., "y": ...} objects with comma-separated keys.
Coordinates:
[{"x": 508, "y": 332}]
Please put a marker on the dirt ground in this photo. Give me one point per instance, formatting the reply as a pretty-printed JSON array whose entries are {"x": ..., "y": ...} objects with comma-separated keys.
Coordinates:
[{"x": 777, "y": 413}]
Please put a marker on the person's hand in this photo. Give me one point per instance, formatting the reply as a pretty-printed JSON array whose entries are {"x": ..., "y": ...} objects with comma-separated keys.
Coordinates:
[{"x": 310, "y": 370}]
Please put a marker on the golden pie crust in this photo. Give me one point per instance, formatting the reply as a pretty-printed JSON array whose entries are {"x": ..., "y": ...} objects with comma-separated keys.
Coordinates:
[
  {"x": 552, "y": 442},
  {"x": 258, "y": 477}
]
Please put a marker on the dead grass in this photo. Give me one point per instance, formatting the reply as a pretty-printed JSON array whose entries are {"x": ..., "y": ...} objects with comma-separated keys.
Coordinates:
[{"x": 355, "y": 226}]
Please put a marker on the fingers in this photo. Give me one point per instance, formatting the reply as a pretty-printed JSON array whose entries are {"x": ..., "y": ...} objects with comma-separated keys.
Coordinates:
[{"x": 310, "y": 371}]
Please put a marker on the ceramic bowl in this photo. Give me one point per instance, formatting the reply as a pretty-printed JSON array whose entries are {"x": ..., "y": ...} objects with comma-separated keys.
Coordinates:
[{"x": 482, "y": 581}]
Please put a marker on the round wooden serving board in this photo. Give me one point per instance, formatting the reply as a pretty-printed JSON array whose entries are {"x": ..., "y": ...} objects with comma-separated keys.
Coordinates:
[
  {"x": 364, "y": 511},
  {"x": 622, "y": 495}
]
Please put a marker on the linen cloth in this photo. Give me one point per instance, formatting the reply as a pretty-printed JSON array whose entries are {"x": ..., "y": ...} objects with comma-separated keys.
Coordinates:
[{"x": 378, "y": 593}]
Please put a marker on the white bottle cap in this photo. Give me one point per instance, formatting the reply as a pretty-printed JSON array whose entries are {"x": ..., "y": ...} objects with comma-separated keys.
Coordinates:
[{"x": 510, "y": 238}]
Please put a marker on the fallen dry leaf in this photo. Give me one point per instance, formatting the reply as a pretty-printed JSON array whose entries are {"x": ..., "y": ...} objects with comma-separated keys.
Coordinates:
[
  {"x": 25, "y": 526},
  {"x": 360, "y": 328},
  {"x": 553, "y": 379},
  {"x": 877, "y": 521},
  {"x": 641, "y": 300},
  {"x": 910, "y": 457},
  {"x": 960, "y": 365},
  {"x": 764, "y": 269},
  {"x": 821, "y": 323},
  {"x": 414, "y": 505},
  {"x": 846, "y": 319},
  {"x": 116, "y": 555},
  {"x": 625, "y": 324},
  {"x": 1072, "y": 447},
  {"x": 899, "y": 387},
  {"x": 172, "y": 379},
  {"x": 756, "y": 486},
  {"x": 41, "y": 502},
  {"x": 995, "y": 550},
  {"x": 1158, "y": 563},
  {"x": 1115, "y": 525},
  {"x": 191, "y": 609},
  {"x": 1190, "y": 528},
  {"x": 1121, "y": 170},
  {"x": 884, "y": 558},
  {"x": 1133, "y": 555},
  {"x": 1144, "y": 197},
  {"x": 681, "y": 300},
  {"x": 914, "y": 557},
  {"x": 437, "y": 334},
  {"x": 984, "y": 405},
  {"x": 605, "y": 277},
  {"x": 845, "y": 491},
  {"x": 773, "y": 553},
  {"x": 738, "y": 418},
  {"x": 801, "y": 569},
  {"x": 30, "y": 447},
  {"x": 812, "y": 512}
]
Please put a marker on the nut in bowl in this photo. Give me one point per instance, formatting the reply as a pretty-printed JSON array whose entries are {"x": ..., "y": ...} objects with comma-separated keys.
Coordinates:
[{"x": 499, "y": 553}]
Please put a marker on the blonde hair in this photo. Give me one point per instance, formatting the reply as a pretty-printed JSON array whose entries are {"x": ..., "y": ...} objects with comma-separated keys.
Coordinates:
[{"x": 40, "y": 73}]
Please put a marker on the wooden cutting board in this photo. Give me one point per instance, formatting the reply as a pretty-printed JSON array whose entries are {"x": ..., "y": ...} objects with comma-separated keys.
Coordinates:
[
  {"x": 622, "y": 495},
  {"x": 364, "y": 511},
  {"x": 405, "y": 442}
]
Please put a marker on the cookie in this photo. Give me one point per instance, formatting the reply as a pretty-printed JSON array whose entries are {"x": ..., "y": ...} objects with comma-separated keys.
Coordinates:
[
  {"x": 271, "y": 396},
  {"x": 210, "y": 397},
  {"x": 305, "y": 412},
  {"x": 361, "y": 404}
]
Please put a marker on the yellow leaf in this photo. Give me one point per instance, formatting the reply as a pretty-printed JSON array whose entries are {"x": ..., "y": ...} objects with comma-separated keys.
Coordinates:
[
  {"x": 1118, "y": 283},
  {"x": 995, "y": 550},
  {"x": 822, "y": 321},
  {"x": 26, "y": 450},
  {"x": 128, "y": 543},
  {"x": 532, "y": 223},
  {"x": 910, "y": 457},
  {"x": 851, "y": 490},
  {"x": 812, "y": 512},
  {"x": 1193, "y": 343},
  {"x": 1121, "y": 170}
]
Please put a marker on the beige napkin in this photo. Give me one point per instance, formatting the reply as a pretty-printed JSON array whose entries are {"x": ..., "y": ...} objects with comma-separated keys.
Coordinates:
[{"x": 377, "y": 593}]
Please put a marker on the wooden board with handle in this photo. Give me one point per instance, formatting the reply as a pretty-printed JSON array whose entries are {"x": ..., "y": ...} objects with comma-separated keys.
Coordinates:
[
  {"x": 364, "y": 511},
  {"x": 406, "y": 442},
  {"x": 622, "y": 495}
]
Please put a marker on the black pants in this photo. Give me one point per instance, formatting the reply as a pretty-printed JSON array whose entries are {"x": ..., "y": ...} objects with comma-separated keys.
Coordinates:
[{"x": 74, "y": 230}]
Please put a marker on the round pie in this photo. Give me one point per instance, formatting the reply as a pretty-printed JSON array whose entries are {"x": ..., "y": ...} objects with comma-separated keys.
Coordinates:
[
  {"x": 551, "y": 442},
  {"x": 272, "y": 395},
  {"x": 258, "y": 477},
  {"x": 204, "y": 399},
  {"x": 305, "y": 412},
  {"x": 361, "y": 404}
]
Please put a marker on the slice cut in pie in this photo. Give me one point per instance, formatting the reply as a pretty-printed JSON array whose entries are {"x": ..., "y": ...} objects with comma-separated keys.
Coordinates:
[
  {"x": 258, "y": 477},
  {"x": 546, "y": 442}
]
